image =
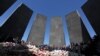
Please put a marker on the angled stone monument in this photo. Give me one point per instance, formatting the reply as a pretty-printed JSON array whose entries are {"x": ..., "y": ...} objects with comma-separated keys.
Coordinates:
[
  {"x": 5, "y": 4},
  {"x": 77, "y": 31},
  {"x": 92, "y": 11},
  {"x": 16, "y": 25},
  {"x": 57, "y": 33},
  {"x": 74, "y": 27},
  {"x": 37, "y": 32}
]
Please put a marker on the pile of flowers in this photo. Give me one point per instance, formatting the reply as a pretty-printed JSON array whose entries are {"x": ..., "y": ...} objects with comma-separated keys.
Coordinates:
[
  {"x": 9, "y": 47},
  {"x": 43, "y": 52},
  {"x": 6, "y": 44},
  {"x": 59, "y": 53}
]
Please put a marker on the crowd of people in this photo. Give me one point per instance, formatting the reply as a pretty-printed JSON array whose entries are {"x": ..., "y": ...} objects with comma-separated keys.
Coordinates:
[{"x": 29, "y": 49}]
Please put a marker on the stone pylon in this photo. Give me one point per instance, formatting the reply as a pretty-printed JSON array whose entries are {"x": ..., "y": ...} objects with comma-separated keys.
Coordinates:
[
  {"x": 16, "y": 25},
  {"x": 74, "y": 27},
  {"x": 38, "y": 30},
  {"x": 56, "y": 32}
]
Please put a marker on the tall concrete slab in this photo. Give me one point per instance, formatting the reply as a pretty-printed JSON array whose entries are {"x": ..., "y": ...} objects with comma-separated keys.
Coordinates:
[
  {"x": 74, "y": 27},
  {"x": 37, "y": 32},
  {"x": 92, "y": 11},
  {"x": 15, "y": 26},
  {"x": 57, "y": 33}
]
